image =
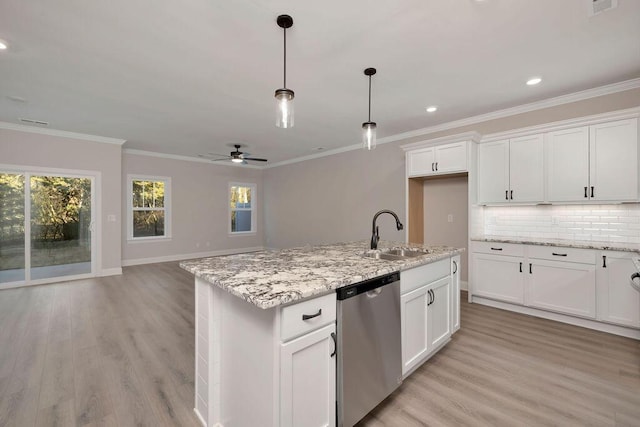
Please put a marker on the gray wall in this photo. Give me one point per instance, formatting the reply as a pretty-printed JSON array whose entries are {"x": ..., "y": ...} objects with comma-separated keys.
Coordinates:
[
  {"x": 443, "y": 197},
  {"x": 46, "y": 151},
  {"x": 199, "y": 208},
  {"x": 334, "y": 198}
]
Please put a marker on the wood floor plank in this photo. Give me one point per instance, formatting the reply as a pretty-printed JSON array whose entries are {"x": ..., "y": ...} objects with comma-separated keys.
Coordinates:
[{"x": 58, "y": 415}]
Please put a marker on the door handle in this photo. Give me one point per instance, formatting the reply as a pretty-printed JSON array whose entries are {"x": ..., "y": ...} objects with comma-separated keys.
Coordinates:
[
  {"x": 604, "y": 261},
  {"x": 311, "y": 316},
  {"x": 455, "y": 264},
  {"x": 585, "y": 192},
  {"x": 506, "y": 194},
  {"x": 436, "y": 166},
  {"x": 520, "y": 267},
  {"x": 335, "y": 344},
  {"x": 592, "y": 191},
  {"x": 511, "y": 194},
  {"x": 530, "y": 269}
]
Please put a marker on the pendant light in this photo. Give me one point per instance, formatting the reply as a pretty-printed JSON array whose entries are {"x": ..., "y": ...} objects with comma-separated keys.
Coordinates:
[
  {"x": 284, "y": 96},
  {"x": 369, "y": 127}
]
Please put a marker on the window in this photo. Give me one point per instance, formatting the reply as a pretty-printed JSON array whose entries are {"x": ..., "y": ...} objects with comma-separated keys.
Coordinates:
[
  {"x": 242, "y": 209},
  {"x": 149, "y": 207}
]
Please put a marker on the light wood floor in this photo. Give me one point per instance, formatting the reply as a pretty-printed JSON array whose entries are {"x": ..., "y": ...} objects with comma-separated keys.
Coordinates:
[{"x": 118, "y": 351}]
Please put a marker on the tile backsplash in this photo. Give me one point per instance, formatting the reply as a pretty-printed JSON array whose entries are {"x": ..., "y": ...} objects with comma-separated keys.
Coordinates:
[{"x": 605, "y": 223}]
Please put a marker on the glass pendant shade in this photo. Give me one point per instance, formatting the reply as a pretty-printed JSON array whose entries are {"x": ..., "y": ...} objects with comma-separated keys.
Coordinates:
[
  {"x": 369, "y": 135},
  {"x": 284, "y": 100}
]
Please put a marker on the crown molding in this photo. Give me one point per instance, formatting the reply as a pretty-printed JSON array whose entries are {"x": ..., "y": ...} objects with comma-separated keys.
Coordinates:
[
  {"x": 61, "y": 133},
  {"x": 460, "y": 137},
  {"x": 629, "y": 113},
  {"x": 525, "y": 108},
  {"x": 187, "y": 158}
]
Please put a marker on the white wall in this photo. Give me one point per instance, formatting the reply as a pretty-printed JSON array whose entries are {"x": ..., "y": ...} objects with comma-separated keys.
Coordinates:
[
  {"x": 199, "y": 209},
  {"x": 46, "y": 151}
]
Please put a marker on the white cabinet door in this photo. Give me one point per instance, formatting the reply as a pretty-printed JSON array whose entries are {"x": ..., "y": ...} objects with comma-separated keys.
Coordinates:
[
  {"x": 439, "y": 313},
  {"x": 567, "y": 161},
  {"x": 498, "y": 277},
  {"x": 422, "y": 162},
  {"x": 451, "y": 158},
  {"x": 618, "y": 301},
  {"x": 614, "y": 161},
  {"x": 565, "y": 287},
  {"x": 308, "y": 380},
  {"x": 526, "y": 169},
  {"x": 414, "y": 327},
  {"x": 455, "y": 293},
  {"x": 493, "y": 172}
]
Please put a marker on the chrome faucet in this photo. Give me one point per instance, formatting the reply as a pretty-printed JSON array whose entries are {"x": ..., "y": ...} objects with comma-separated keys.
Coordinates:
[{"x": 375, "y": 236}]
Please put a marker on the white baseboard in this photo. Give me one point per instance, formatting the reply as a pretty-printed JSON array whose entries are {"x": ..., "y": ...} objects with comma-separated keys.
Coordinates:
[
  {"x": 111, "y": 271},
  {"x": 181, "y": 257},
  {"x": 585, "y": 323},
  {"x": 464, "y": 285}
]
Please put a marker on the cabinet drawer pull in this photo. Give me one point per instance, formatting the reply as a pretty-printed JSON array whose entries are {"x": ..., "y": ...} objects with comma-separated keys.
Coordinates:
[
  {"x": 555, "y": 254},
  {"x": 604, "y": 261},
  {"x": 530, "y": 269},
  {"x": 436, "y": 166},
  {"x": 496, "y": 249},
  {"x": 335, "y": 344},
  {"x": 311, "y": 316},
  {"x": 520, "y": 267},
  {"x": 511, "y": 196},
  {"x": 592, "y": 192},
  {"x": 432, "y": 167},
  {"x": 455, "y": 264},
  {"x": 585, "y": 192},
  {"x": 506, "y": 194}
]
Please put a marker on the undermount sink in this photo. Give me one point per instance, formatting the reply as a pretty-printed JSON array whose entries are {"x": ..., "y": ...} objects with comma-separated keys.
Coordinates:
[{"x": 396, "y": 254}]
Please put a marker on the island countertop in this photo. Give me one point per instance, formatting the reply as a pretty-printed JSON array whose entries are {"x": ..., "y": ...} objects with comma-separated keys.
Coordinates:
[{"x": 270, "y": 278}]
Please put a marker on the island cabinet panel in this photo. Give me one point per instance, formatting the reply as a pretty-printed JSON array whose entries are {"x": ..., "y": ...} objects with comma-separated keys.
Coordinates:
[
  {"x": 618, "y": 301},
  {"x": 455, "y": 293},
  {"x": 426, "y": 311},
  {"x": 308, "y": 380}
]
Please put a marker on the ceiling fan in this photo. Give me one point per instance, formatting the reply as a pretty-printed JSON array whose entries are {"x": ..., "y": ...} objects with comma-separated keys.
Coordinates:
[{"x": 236, "y": 156}]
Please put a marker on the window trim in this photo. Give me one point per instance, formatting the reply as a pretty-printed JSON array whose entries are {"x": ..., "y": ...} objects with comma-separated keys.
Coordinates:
[
  {"x": 166, "y": 209},
  {"x": 253, "y": 209}
]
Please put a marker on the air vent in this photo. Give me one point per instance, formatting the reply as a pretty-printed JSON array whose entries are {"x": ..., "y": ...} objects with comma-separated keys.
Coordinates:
[
  {"x": 34, "y": 122},
  {"x": 598, "y": 6}
]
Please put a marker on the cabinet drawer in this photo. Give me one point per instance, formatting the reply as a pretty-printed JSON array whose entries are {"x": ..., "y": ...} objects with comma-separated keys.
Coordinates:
[
  {"x": 554, "y": 253},
  {"x": 415, "y": 277},
  {"x": 322, "y": 311},
  {"x": 508, "y": 249}
]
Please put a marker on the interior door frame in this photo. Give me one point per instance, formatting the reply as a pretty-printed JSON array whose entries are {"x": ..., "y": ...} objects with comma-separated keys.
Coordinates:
[{"x": 96, "y": 220}]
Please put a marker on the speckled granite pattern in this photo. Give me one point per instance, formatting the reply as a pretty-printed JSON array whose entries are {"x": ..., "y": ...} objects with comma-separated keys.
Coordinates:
[
  {"x": 579, "y": 244},
  {"x": 271, "y": 278}
]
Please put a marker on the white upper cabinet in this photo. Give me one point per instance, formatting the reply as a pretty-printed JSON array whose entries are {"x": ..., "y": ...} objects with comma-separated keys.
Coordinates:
[
  {"x": 614, "y": 161},
  {"x": 493, "y": 172},
  {"x": 511, "y": 170},
  {"x": 597, "y": 162},
  {"x": 568, "y": 165},
  {"x": 438, "y": 160},
  {"x": 526, "y": 169}
]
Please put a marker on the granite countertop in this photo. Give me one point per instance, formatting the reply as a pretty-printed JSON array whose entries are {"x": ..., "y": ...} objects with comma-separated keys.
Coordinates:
[
  {"x": 271, "y": 278},
  {"x": 579, "y": 244}
]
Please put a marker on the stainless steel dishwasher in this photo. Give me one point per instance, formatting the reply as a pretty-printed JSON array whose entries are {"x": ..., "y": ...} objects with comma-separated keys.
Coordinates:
[{"x": 369, "y": 346}]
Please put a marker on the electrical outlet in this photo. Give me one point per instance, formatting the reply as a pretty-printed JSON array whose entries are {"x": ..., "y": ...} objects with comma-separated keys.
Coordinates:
[{"x": 450, "y": 218}]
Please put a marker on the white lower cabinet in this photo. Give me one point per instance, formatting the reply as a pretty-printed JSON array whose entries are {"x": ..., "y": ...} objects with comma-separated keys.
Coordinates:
[
  {"x": 564, "y": 287},
  {"x": 586, "y": 283},
  {"x": 618, "y": 301},
  {"x": 498, "y": 277},
  {"x": 425, "y": 316},
  {"x": 308, "y": 380}
]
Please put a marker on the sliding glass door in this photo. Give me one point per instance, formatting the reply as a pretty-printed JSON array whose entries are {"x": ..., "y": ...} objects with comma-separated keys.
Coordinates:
[{"x": 46, "y": 227}]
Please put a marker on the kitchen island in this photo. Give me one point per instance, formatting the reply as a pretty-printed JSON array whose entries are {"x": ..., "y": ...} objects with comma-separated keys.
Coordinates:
[{"x": 265, "y": 328}]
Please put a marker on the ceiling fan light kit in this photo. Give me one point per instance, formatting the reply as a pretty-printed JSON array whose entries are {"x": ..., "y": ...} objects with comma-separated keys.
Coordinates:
[
  {"x": 284, "y": 96},
  {"x": 369, "y": 127}
]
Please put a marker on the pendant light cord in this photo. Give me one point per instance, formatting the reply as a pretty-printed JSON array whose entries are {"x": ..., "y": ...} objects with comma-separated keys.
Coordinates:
[
  {"x": 285, "y": 58},
  {"x": 369, "y": 98}
]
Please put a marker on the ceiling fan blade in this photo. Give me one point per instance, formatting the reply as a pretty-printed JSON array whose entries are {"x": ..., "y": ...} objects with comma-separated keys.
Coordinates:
[
  {"x": 255, "y": 159},
  {"x": 220, "y": 160}
]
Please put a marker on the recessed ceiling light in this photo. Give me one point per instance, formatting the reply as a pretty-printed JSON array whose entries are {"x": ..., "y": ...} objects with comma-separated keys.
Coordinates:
[
  {"x": 534, "y": 81},
  {"x": 3, "y": 45},
  {"x": 432, "y": 109}
]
